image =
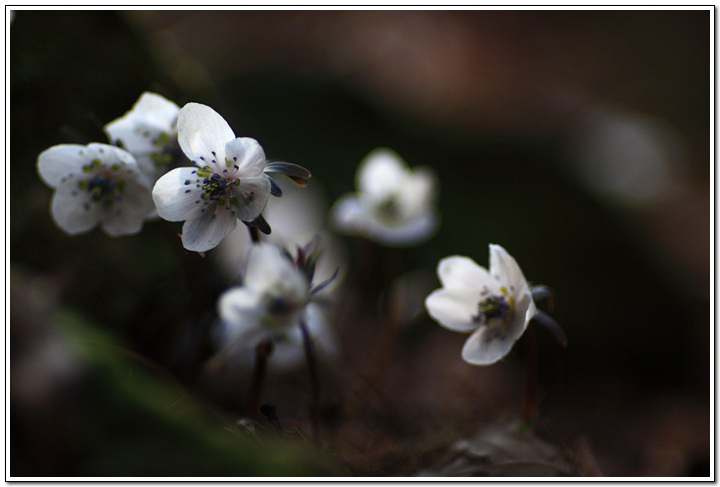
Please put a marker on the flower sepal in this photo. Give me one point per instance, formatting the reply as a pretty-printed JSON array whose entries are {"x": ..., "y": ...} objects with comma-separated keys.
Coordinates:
[
  {"x": 539, "y": 292},
  {"x": 298, "y": 174},
  {"x": 261, "y": 224},
  {"x": 548, "y": 322}
]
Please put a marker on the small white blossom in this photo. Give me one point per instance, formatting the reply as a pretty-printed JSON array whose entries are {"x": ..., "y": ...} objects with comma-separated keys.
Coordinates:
[
  {"x": 273, "y": 301},
  {"x": 394, "y": 205},
  {"x": 228, "y": 185},
  {"x": 495, "y": 306},
  {"x": 287, "y": 352},
  {"x": 149, "y": 133},
  {"x": 95, "y": 184},
  {"x": 298, "y": 217}
]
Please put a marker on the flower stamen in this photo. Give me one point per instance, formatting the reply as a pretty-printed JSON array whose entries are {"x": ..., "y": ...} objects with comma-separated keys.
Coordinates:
[{"x": 494, "y": 308}]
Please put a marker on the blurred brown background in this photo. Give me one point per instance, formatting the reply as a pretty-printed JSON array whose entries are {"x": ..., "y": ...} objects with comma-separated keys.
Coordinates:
[{"x": 578, "y": 140}]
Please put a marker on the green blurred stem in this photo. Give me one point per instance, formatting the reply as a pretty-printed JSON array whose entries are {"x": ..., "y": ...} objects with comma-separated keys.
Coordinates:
[{"x": 314, "y": 382}]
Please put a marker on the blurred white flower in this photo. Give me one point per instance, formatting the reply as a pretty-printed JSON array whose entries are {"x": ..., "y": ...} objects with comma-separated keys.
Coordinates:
[
  {"x": 96, "y": 184},
  {"x": 626, "y": 158},
  {"x": 149, "y": 133},
  {"x": 228, "y": 184},
  {"x": 394, "y": 205},
  {"x": 275, "y": 298},
  {"x": 287, "y": 351},
  {"x": 297, "y": 218},
  {"x": 495, "y": 305}
]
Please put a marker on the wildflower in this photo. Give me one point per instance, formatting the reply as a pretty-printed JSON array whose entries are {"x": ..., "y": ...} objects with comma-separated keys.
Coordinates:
[
  {"x": 149, "y": 133},
  {"x": 275, "y": 299},
  {"x": 95, "y": 184},
  {"x": 298, "y": 217},
  {"x": 393, "y": 205},
  {"x": 495, "y": 305},
  {"x": 229, "y": 183}
]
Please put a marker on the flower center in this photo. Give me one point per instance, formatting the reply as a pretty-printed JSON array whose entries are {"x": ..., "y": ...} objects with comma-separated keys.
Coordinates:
[
  {"x": 103, "y": 186},
  {"x": 494, "y": 309},
  {"x": 216, "y": 188},
  {"x": 168, "y": 151},
  {"x": 388, "y": 209}
]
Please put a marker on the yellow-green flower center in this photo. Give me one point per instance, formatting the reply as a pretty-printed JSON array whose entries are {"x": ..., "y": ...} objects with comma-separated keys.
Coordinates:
[{"x": 494, "y": 308}]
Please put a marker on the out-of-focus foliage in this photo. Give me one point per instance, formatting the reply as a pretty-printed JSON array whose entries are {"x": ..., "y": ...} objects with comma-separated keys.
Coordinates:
[{"x": 118, "y": 414}]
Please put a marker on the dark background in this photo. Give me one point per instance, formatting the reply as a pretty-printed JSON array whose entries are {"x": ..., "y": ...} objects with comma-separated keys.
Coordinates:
[{"x": 577, "y": 140}]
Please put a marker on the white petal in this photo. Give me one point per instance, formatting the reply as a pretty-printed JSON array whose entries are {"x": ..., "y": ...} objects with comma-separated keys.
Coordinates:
[
  {"x": 240, "y": 310},
  {"x": 453, "y": 309},
  {"x": 381, "y": 173},
  {"x": 109, "y": 155},
  {"x": 490, "y": 344},
  {"x": 205, "y": 233},
  {"x": 201, "y": 131},
  {"x": 72, "y": 209},
  {"x": 487, "y": 345},
  {"x": 463, "y": 273},
  {"x": 60, "y": 161},
  {"x": 269, "y": 267},
  {"x": 137, "y": 197},
  {"x": 126, "y": 216},
  {"x": 323, "y": 334},
  {"x": 291, "y": 353},
  {"x": 118, "y": 221},
  {"x": 524, "y": 311},
  {"x": 247, "y": 154},
  {"x": 347, "y": 215},
  {"x": 418, "y": 192},
  {"x": 151, "y": 115},
  {"x": 156, "y": 111},
  {"x": 252, "y": 194},
  {"x": 175, "y": 200},
  {"x": 504, "y": 268},
  {"x": 410, "y": 232},
  {"x": 136, "y": 136}
]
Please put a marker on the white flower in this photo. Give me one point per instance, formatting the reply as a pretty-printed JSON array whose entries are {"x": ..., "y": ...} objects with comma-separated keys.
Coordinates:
[
  {"x": 394, "y": 205},
  {"x": 95, "y": 184},
  {"x": 149, "y": 133},
  {"x": 273, "y": 301},
  {"x": 287, "y": 353},
  {"x": 298, "y": 217},
  {"x": 495, "y": 305},
  {"x": 228, "y": 184}
]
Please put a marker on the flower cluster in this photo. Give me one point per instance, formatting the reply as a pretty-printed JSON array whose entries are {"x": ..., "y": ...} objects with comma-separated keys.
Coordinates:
[
  {"x": 144, "y": 174},
  {"x": 230, "y": 181}
]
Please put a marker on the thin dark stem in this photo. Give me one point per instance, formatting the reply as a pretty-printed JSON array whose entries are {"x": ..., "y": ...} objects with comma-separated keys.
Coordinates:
[
  {"x": 531, "y": 373},
  {"x": 391, "y": 321},
  {"x": 262, "y": 352},
  {"x": 314, "y": 381},
  {"x": 254, "y": 234}
]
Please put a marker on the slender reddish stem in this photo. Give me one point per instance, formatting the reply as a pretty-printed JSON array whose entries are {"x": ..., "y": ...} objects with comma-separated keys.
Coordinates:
[
  {"x": 314, "y": 382},
  {"x": 262, "y": 352},
  {"x": 531, "y": 373}
]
